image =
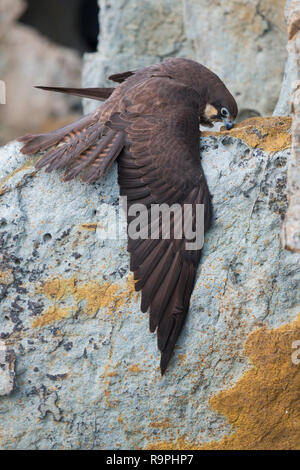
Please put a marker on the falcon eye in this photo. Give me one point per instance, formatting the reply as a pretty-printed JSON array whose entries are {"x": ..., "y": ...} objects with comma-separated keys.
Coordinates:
[{"x": 224, "y": 112}]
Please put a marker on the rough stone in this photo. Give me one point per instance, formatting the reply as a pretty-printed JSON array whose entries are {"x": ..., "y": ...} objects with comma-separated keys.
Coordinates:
[
  {"x": 87, "y": 370},
  {"x": 28, "y": 59},
  {"x": 243, "y": 41},
  {"x": 10, "y": 10},
  {"x": 291, "y": 226},
  {"x": 7, "y": 369},
  {"x": 291, "y": 72},
  {"x": 290, "y": 232}
]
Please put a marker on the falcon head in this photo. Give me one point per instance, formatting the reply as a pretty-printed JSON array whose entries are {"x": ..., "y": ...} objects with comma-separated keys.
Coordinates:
[
  {"x": 220, "y": 106},
  {"x": 216, "y": 103}
]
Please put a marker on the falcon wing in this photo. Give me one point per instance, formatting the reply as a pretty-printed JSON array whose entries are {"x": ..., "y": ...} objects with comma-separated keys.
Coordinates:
[
  {"x": 85, "y": 148},
  {"x": 161, "y": 164}
]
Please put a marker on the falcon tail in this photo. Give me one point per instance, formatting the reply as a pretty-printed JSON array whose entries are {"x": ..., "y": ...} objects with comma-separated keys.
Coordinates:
[
  {"x": 85, "y": 147},
  {"x": 100, "y": 94}
]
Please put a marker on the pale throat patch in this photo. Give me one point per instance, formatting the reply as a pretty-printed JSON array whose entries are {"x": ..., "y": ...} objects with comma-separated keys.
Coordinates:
[{"x": 210, "y": 112}]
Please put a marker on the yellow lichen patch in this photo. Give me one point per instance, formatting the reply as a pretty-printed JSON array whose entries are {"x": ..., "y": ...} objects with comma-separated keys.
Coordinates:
[
  {"x": 57, "y": 288},
  {"x": 131, "y": 292},
  {"x": 90, "y": 227},
  {"x": 51, "y": 315},
  {"x": 6, "y": 277},
  {"x": 181, "y": 359},
  {"x": 94, "y": 295},
  {"x": 164, "y": 424},
  {"x": 263, "y": 406},
  {"x": 271, "y": 134},
  {"x": 97, "y": 296},
  {"x": 134, "y": 368}
]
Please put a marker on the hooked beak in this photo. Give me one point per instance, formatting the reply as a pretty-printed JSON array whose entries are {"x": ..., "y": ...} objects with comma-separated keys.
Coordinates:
[{"x": 228, "y": 123}]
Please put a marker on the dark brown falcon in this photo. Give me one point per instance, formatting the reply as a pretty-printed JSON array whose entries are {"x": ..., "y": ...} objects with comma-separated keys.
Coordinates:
[{"x": 150, "y": 125}]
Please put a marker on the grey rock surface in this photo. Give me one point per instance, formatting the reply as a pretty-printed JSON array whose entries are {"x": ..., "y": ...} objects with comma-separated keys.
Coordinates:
[
  {"x": 291, "y": 96},
  {"x": 291, "y": 72},
  {"x": 28, "y": 59},
  {"x": 7, "y": 372},
  {"x": 290, "y": 233},
  {"x": 87, "y": 370},
  {"x": 243, "y": 41}
]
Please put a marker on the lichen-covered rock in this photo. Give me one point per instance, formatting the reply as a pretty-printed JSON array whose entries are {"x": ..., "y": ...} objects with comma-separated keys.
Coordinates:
[
  {"x": 7, "y": 367},
  {"x": 291, "y": 226},
  {"x": 291, "y": 73},
  {"x": 87, "y": 370},
  {"x": 243, "y": 41},
  {"x": 258, "y": 405}
]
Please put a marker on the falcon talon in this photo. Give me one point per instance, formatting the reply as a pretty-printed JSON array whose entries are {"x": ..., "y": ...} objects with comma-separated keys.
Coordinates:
[{"x": 149, "y": 124}]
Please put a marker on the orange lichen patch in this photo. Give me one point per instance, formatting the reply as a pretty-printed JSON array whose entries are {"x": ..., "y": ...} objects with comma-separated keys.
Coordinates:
[
  {"x": 271, "y": 134},
  {"x": 164, "y": 424},
  {"x": 181, "y": 359},
  {"x": 6, "y": 277},
  {"x": 123, "y": 423},
  {"x": 134, "y": 368},
  {"x": 51, "y": 315},
  {"x": 95, "y": 295},
  {"x": 107, "y": 375},
  {"x": 112, "y": 374},
  {"x": 57, "y": 288},
  {"x": 106, "y": 396},
  {"x": 90, "y": 227},
  {"x": 263, "y": 406},
  {"x": 133, "y": 294}
]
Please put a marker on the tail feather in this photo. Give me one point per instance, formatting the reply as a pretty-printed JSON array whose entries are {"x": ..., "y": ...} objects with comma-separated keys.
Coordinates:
[{"x": 100, "y": 94}]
